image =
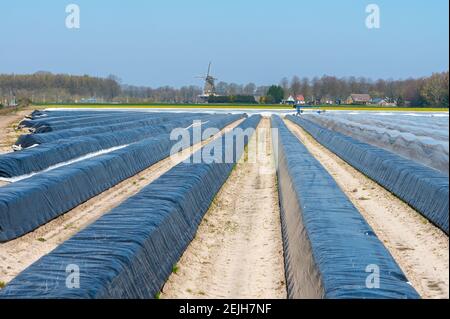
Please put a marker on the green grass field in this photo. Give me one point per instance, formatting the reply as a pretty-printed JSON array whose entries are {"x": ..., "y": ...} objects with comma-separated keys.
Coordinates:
[
  {"x": 169, "y": 106},
  {"x": 245, "y": 106}
]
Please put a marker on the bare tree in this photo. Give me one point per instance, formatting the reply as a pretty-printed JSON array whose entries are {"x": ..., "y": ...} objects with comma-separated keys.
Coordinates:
[
  {"x": 306, "y": 88},
  {"x": 249, "y": 89},
  {"x": 284, "y": 83},
  {"x": 296, "y": 85},
  {"x": 435, "y": 89}
]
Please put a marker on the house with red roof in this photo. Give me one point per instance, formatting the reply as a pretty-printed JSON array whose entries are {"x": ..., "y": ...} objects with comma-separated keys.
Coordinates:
[{"x": 300, "y": 99}]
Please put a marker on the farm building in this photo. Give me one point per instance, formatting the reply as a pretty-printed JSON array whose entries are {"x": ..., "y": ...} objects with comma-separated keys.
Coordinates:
[
  {"x": 289, "y": 101},
  {"x": 382, "y": 102},
  {"x": 300, "y": 99},
  {"x": 359, "y": 99}
]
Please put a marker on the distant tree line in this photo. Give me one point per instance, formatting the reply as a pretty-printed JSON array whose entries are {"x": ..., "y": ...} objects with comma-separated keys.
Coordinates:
[
  {"x": 426, "y": 91},
  {"x": 165, "y": 94},
  {"x": 45, "y": 87}
]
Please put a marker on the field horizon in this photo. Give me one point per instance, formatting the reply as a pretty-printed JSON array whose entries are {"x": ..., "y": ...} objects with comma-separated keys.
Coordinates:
[{"x": 244, "y": 106}]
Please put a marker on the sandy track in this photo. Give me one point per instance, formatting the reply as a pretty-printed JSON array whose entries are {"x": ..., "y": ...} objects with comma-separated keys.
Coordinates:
[
  {"x": 420, "y": 249},
  {"x": 18, "y": 254},
  {"x": 8, "y": 133},
  {"x": 237, "y": 252}
]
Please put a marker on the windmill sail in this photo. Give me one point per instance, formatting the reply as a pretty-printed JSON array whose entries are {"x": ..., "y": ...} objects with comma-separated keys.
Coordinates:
[{"x": 209, "y": 86}]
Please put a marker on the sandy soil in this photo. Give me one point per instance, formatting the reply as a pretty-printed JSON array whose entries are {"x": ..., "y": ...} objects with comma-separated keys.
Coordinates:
[
  {"x": 18, "y": 254},
  {"x": 237, "y": 252},
  {"x": 8, "y": 133},
  {"x": 420, "y": 249}
]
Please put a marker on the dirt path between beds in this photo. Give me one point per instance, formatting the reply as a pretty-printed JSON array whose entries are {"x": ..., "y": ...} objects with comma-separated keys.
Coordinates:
[
  {"x": 18, "y": 254},
  {"x": 8, "y": 134},
  {"x": 237, "y": 252},
  {"x": 420, "y": 249}
]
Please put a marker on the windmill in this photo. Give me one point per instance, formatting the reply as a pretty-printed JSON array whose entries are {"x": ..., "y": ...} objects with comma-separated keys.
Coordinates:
[{"x": 209, "y": 88}]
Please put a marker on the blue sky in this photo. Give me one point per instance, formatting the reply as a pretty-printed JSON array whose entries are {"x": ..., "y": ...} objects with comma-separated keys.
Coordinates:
[{"x": 169, "y": 42}]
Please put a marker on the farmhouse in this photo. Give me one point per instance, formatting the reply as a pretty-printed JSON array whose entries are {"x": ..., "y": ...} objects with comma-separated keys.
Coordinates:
[
  {"x": 359, "y": 99},
  {"x": 290, "y": 100},
  {"x": 382, "y": 102},
  {"x": 300, "y": 99}
]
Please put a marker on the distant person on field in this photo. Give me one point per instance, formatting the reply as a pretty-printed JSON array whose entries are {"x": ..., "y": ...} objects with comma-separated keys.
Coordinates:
[{"x": 299, "y": 110}]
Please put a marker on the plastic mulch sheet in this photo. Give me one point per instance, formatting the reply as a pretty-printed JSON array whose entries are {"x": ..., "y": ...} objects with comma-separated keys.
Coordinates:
[
  {"x": 143, "y": 121},
  {"x": 39, "y": 158},
  {"x": 330, "y": 251},
  {"x": 130, "y": 251},
  {"x": 424, "y": 188},
  {"x": 32, "y": 202}
]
